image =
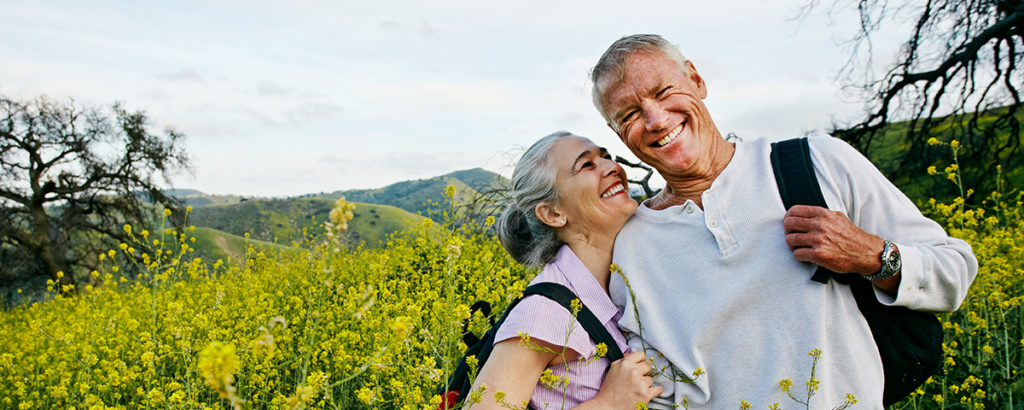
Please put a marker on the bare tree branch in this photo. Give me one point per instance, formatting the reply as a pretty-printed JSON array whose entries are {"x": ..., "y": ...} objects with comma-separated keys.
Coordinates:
[
  {"x": 957, "y": 77},
  {"x": 58, "y": 195}
]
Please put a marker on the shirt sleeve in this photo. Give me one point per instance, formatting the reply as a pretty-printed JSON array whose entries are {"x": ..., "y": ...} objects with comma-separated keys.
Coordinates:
[
  {"x": 544, "y": 319},
  {"x": 937, "y": 269}
]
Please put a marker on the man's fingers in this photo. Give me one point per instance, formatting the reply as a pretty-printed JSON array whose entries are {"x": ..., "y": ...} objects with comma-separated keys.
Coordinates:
[
  {"x": 806, "y": 255},
  {"x": 794, "y": 240},
  {"x": 802, "y": 240},
  {"x": 806, "y": 211}
]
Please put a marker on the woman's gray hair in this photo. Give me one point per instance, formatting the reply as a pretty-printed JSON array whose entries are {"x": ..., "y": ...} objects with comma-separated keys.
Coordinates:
[
  {"x": 612, "y": 62},
  {"x": 524, "y": 236}
]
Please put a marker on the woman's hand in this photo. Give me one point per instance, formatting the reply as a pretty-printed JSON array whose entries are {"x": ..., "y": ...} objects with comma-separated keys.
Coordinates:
[{"x": 627, "y": 383}]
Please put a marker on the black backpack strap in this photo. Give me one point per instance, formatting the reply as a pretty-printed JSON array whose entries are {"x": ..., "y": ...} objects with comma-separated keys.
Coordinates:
[
  {"x": 798, "y": 184},
  {"x": 594, "y": 327},
  {"x": 909, "y": 342}
]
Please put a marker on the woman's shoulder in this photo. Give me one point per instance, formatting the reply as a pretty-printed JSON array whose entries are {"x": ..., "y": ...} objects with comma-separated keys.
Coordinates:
[{"x": 537, "y": 317}]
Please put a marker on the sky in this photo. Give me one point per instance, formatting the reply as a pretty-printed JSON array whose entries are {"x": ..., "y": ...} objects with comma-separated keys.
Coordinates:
[{"x": 288, "y": 98}]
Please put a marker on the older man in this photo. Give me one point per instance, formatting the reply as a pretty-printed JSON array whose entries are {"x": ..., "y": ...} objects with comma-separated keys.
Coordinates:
[{"x": 721, "y": 270}]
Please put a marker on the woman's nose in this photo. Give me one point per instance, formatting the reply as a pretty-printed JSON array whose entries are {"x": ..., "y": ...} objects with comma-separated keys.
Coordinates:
[{"x": 611, "y": 167}]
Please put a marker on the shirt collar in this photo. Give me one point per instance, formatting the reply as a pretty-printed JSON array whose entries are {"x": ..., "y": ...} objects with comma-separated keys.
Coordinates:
[{"x": 584, "y": 284}]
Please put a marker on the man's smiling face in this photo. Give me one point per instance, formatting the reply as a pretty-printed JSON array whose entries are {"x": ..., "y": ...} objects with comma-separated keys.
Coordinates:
[{"x": 657, "y": 110}]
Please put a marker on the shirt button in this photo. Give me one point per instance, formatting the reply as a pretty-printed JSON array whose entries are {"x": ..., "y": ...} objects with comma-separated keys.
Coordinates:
[
  {"x": 714, "y": 224},
  {"x": 689, "y": 209}
]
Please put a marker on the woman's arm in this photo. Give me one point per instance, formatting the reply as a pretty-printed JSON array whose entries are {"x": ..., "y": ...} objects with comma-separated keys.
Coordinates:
[
  {"x": 514, "y": 370},
  {"x": 511, "y": 369}
]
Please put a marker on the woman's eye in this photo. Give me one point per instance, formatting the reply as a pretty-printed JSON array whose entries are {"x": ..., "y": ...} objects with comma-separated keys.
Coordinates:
[{"x": 586, "y": 165}]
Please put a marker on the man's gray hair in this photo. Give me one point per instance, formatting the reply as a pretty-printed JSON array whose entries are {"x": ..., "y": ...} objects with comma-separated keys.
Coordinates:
[
  {"x": 611, "y": 66},
  {"x": 524, "y": 236}
]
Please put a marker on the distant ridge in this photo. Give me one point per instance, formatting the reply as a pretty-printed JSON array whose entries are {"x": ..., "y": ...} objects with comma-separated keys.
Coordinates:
[
  {"x": 416, "y": 196},
  {"x": 481, "y": 180},
  {"x": 379, "y": 212},
  {"x": 285, "y": 220},
  {"x": 408, "y": 195}
]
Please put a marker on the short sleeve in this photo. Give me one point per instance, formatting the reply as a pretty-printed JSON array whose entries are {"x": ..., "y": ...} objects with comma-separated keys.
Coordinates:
[{"x": 544, "y": 319}]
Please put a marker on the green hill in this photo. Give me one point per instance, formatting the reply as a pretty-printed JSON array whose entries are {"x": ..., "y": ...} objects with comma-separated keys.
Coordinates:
[
  {"x": 284, "y": 221},
  {"x": 417, "y": 196},
  {"x": 212, "y": 245},
  {"x": 890, "y": 147},
  {"x": 414, "y": 196}
]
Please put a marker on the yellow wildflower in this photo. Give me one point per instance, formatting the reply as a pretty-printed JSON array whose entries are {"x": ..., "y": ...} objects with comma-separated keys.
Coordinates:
[{"x": 218, "y": 364}]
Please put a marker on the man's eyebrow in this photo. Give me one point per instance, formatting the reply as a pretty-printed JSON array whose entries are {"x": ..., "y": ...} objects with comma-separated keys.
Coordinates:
[
  {"x": 654, "y": 90},
  {"x": 618, "y": 115},
  {"x": 658, "y": 87}
]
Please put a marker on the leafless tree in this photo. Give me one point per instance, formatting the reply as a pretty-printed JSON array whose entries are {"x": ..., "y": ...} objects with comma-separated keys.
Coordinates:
[
  {"x": 962, "y": 60},
  {"x": 643, "y": 182},
  {"x": 71, "y": 177}
]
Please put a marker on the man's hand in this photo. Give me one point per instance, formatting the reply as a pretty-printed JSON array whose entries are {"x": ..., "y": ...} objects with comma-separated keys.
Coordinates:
[{"x": 829, "y": 239}]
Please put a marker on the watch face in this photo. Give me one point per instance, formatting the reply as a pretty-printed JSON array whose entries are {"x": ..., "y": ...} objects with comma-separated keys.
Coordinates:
[{"x": 892, "y": 260}]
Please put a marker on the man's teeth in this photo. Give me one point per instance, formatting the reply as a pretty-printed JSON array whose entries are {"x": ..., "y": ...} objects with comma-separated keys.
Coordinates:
[
  {"x": 614, "y": 190},
  {"x": 671, "y": 136}
]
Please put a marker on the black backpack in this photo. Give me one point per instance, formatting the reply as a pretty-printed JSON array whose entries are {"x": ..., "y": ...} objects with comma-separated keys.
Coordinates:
[
  {"x": 909, "y": 342},
  {"x": 459, "y": 383}
]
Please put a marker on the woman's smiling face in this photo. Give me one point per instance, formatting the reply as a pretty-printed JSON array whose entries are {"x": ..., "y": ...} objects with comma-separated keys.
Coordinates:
[{"x": 592, "y": 188}]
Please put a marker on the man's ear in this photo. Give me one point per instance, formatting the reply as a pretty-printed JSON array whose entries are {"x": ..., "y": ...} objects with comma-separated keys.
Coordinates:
[
  {"x": 550, "y": 215},
  {"x": 698, "y": 81}
]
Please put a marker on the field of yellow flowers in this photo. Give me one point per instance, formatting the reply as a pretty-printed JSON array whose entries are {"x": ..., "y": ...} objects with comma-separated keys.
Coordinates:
[
  {"x": 325, "y": 326},
  {"x": 320, "y": 327}
]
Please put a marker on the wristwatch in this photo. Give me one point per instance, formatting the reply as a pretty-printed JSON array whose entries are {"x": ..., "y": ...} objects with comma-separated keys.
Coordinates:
[{"x": 891, "y": 263}]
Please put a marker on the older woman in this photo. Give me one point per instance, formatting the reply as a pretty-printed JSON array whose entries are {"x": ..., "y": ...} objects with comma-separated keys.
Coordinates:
[{"x": 569, "y": 201}]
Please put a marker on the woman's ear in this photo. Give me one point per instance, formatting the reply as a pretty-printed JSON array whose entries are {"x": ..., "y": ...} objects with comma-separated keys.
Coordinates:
[{"x": 550, "y": 215}]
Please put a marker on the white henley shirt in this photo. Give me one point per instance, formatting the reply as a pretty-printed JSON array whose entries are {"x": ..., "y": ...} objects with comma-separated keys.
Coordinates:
[{"x": 717, "y": 289}]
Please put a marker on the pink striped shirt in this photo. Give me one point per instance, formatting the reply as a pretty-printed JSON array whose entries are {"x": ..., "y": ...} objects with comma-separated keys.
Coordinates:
[{"x": 544, "y": 319}]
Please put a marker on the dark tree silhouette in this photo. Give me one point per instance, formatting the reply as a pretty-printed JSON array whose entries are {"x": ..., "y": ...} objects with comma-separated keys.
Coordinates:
[
  {"x": 644, "y": 182},
  {"x": 71, "y": 177},
  {"x": 963, "y": 60}
]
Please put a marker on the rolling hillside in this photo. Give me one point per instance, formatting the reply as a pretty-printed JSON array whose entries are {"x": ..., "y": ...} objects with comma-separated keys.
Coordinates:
[
  {"x": 212, "y": 245},
  {"x": 416, "y": 195},
  {"x": 283, "y": 221},
  {"x": 224, "y": 219},
  {"x": 891, "y": 146}
]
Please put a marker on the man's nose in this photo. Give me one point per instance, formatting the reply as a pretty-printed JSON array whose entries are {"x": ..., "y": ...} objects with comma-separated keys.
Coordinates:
[{"x": 656, "y": 117}]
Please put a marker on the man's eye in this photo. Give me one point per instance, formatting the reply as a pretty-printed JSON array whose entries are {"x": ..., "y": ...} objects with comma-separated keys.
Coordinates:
[
  {"x": 628, "y": 117},
  {"x": 663, "y": 92}
]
